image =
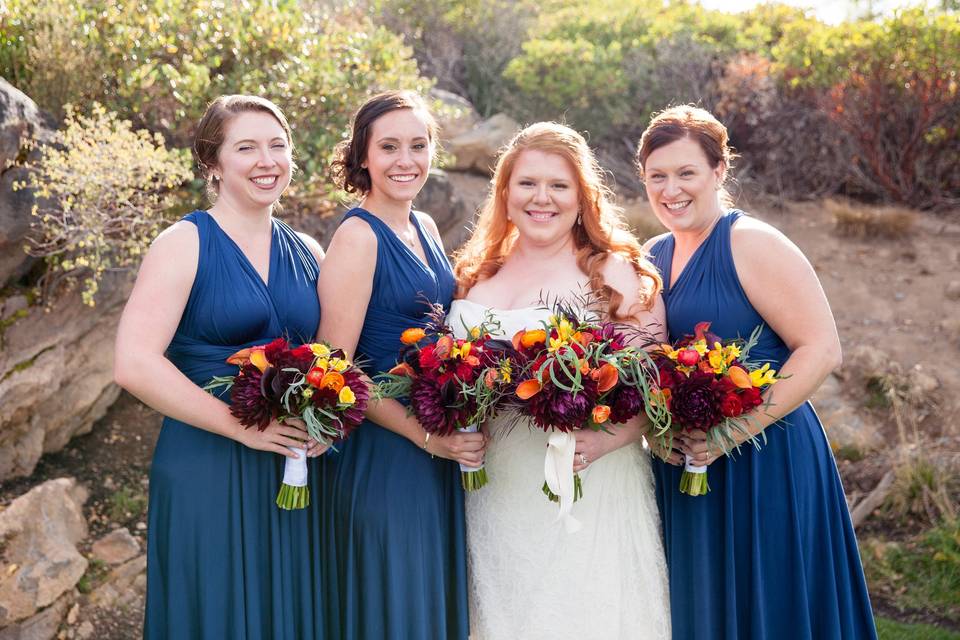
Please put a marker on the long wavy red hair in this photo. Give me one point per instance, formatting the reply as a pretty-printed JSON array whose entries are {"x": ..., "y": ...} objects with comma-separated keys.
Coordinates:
[{"x": 601, "y": 232}]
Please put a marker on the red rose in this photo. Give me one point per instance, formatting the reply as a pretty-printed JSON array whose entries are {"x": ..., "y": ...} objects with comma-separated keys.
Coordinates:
[
  {"x": 730, "y": 406},
  {"x": 428, "y": 359},
  {"x": 750, "y": 398},
  {"x": 688, "y": 357}
]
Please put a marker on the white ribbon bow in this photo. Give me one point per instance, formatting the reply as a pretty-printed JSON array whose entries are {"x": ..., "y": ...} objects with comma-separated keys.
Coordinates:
[{"x": 558, "y": 472}]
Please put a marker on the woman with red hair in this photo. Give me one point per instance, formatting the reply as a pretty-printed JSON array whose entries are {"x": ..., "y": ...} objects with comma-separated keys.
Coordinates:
[{"x": 549, "y": 230}]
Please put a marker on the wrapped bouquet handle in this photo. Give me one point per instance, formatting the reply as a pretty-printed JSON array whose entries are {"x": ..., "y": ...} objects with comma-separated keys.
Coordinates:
[{"x": 559, "y": 477}]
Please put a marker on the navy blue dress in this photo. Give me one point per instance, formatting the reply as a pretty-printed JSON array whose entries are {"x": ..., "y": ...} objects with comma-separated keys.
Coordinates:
[
  {"x": 222, "y": 560},
  {"x": 398, "y": 536},
  {"x": 770, "y": 551}
]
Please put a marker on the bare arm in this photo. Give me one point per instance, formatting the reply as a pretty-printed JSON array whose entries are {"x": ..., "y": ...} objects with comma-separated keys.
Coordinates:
[
  {"x": 318, "y": 254},
  {"x": 783, "y": 287},
  {"x": 146, "y": 329},
  {"x": 346, "y": 284}
]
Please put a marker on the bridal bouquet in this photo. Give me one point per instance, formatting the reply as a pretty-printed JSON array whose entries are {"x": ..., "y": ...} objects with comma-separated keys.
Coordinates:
[
  {"x": 578, "y": 374},
  {"x": 453, "y": 384},
  {"x": 312, "y": 382},
  {"x": 706, "y": 384}
]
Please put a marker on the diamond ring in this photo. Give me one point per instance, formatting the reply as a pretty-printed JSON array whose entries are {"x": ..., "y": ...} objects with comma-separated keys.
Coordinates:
[{"x": 583, "y": 459}]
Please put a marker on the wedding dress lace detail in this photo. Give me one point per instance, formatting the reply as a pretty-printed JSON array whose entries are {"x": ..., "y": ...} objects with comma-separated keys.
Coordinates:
[{"x": 529, "y": 578}]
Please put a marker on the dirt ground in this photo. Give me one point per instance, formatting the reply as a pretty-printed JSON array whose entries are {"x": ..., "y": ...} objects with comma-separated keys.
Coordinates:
[{"x": 889, "y": 294}]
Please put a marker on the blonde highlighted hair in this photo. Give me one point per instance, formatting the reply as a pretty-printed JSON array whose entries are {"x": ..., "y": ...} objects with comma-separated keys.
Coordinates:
[{"x": 600, "y": 232}]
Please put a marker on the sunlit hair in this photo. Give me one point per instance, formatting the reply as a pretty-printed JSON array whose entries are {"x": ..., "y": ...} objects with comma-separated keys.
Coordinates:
[
  {"x": 699, "y": 125},
  {"x": 347, "y": 167},
  {"x": 212, "y": 128},
  {"x": 601, "y": 232}
]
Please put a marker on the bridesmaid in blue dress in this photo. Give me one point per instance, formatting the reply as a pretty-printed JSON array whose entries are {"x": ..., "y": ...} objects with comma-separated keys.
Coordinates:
[
  {"x": 222, "y": 560},
  {"x": 396, "y": 504},
  {"x": 770, "y": 551}
]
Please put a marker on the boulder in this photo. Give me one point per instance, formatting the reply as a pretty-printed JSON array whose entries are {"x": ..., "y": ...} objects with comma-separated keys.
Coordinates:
[
  {"x": 124, "y": 586},
  {"x": 40, "y": 530},
  {"x": 20, "y": 121},
  {"x": 456, "y": 115},
  {"x": 116, "y": 547},
  {"x": 846, "y": 429},
  {"x": 56, "y": 374},
  {"x": 42, "y": 626},
  {"x": 477, "y": 149}
]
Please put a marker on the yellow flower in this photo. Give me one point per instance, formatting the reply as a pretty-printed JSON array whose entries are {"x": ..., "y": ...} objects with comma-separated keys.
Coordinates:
[
  {"x": 732, "y": 352},
  {"x": 700, "y": 346},
  {"x": 564, "y": 330},
  {"x": 555, "y": 343},
  {"x": 763, "y": 376},
  {"x": 474, "y": 333},
  {"x": 346, "y": 395},
  {"x": 259, "y": 359},
  {"x": 320, "y": 350},
  {"x": 339, "y": 364},
  {"x": 464, "y": 350},
  {"x": 716, "y": 360},
  {"x": 323, "y": 363},
  {"x": 506, "y": 371}
]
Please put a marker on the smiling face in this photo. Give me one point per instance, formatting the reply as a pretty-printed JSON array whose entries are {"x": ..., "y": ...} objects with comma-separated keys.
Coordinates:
[
  {"x": 398, "y": 155},
  {"x": 254, "y": 161},
  {"x": 682, "y": 186},
  {"x": 543, "y": 197}
]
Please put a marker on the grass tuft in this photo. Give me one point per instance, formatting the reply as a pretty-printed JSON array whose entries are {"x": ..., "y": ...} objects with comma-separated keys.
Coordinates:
[{"x": 862, "y": 221}]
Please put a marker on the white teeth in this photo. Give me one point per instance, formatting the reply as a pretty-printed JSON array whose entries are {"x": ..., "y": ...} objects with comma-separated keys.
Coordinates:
[
  {"x": 540, "y": 216},
  {"x": 404, "y": 178},
  {"x": 265, "y": 180},
  {"x": 673, "y": 206}
]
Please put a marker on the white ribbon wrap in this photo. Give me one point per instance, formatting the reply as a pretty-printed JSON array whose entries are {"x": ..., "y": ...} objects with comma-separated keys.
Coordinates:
[
  {"x": 692, "y": 468},
  {"x": 295, "y": 469},
  {"x": 470, "y": 428},
  {"x": 558, "y": 472}
]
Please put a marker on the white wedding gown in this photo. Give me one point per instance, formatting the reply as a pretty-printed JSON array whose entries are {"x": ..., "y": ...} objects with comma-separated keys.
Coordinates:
[{"x": 529, "y": 578}]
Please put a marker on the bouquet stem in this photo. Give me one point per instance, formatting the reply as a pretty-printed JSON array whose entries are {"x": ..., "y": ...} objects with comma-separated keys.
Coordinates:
[
  {"x": 473, "y": 478},
  {"x": 693, "y": 482},
  {"x": 577, "y": 490},
  {"x": 294, "y": 492}
]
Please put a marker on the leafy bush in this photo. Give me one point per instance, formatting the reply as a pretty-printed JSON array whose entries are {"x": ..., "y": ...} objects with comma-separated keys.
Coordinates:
[
  {"x": 102, "y": 190},
  {"x": 160, "y": 62}
]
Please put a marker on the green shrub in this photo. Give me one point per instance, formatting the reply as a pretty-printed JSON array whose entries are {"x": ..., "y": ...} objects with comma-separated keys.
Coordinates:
[
  {"x": 102, "y": 190},
  {"x": 160, "y": 62}
]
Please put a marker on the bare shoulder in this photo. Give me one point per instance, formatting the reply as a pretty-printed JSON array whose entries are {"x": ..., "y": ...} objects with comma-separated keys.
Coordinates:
[
  {"x": 354, "y": 234},
  {"x": 750, "y": 236},
  {"x": 649, "y": 244},
  {"x": 180, "y": 243},
  {"x": 313, "y": 245}
]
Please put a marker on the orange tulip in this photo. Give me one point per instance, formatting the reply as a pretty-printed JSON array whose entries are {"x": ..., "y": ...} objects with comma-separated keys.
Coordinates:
[
  {"x": 413, "y": 336},
  {"x": 528, "y": 388},
  {"x": 259, "y": 359},
  {"x": 608, "y": 378},
  {"x": 739, "y": 377},
  {"x": 403, "y": 369},
  {"x": 530, "y": 338},
  {"x": 600, "y": 413},
  {"x": 240, "y": 358}
]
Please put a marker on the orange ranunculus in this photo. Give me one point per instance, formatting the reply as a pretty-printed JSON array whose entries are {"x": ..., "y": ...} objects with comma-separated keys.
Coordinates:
[
  {"x": 608, "y": 377},
  {"x": 584, "y": 367},
  {"x": 528, "y": 388},
  {"x": 403, "y": 369},
  {"x": 530, "y": 338},
  {"x": 583, "y": 337},
  {"x": 600, "y": 413},
  {"x": 489, "y": 378},
  {"x": 332, "y": 380},
  {"x": 412, "y": 336},
  {"x": 259, "y": 359},
  {"x": 739, "y": 377}
]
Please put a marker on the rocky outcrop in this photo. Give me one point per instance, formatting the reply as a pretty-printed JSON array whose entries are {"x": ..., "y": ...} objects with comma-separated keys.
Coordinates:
[
  {"x": 56, "y": 374},
  {"x": 40, "y": 531},
  {"x": 116, "y": 547},
  {"x": 849, "y": 430},
  {"x": 20, "y": 121},
  {"x": 477, "y": 149},
  {"x": 456, "y": 117},
  {"x": 451, "y": 206}
]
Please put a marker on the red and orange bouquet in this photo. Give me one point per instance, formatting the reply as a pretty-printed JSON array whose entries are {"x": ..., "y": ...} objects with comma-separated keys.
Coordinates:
[
  {"x": 709, "y": 385},
  {"x": 452, "y": 383},
  {"x": 312, "y": 382},
  {"x": 577, "y": 374}
]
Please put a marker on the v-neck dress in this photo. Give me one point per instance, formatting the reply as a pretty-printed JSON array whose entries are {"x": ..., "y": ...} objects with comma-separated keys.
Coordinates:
[
  {"x": 770, "y": 551},
  {"x": 398, "y": 534},
  {"x": 222, "y": 560}
]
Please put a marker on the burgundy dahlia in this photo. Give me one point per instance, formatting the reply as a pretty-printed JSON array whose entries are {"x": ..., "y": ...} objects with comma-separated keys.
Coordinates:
[
  {"x": 693, "y": 404},
  {"x": 625, "y": 402},
  {"x": 554, "y": 408},
  {"x": 439, "y": 407},
  {"x": 247, "y": 402}
]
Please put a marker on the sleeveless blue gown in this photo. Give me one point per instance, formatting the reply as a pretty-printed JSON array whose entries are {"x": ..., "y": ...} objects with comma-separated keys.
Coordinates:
[
  {"x": 769, "y": 552},
  {"x": 398, "y": 530},
  {"x": 222, "y": 560}
]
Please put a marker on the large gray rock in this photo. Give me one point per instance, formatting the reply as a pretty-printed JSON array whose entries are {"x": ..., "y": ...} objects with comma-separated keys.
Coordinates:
[
  {"x": 452, "y": 199},
  {"x": 477, "y": 149},
  {"x": 41, "y": 563},
  {"x": 849, "y": 432},
  {"x": 116, "y": 547},
  {"x": 56, "y": 374},
  {"x": 457, "y": 115},
  {"x": 42, "y": 626},
  {"x": 20, "y": 121}
]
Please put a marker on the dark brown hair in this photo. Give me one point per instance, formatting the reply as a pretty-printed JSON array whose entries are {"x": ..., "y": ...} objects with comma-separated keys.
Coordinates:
[
  {"x": 687, "y": 121},
  {"x": 210, "y": 131},
  {"x": 347, "y": 168}
]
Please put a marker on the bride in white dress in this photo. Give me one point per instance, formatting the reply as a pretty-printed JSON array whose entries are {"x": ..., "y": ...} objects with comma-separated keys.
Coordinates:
[{"x": 548, "y": 229}]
